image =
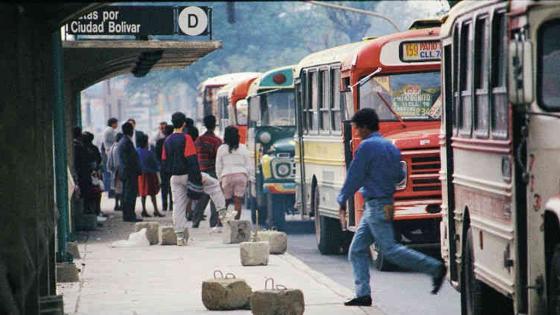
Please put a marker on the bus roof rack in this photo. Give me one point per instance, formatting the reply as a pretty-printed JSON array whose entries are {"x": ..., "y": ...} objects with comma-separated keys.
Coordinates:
[{"x": 424, "y": 23}]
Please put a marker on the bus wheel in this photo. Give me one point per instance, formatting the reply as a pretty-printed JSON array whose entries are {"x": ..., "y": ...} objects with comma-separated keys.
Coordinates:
[
  {"x": 471, "y": 289},
  {"x": 327, "y": 230},
  {"x": 379, "y": 260},
  {"x": 554, "y": 286}
]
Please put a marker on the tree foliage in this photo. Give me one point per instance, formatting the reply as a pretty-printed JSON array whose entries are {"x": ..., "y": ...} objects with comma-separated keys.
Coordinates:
[{"x": 264, "y": 35}]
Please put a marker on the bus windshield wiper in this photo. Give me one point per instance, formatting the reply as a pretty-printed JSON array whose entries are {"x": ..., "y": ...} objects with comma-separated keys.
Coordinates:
[
  {"x": 367, "y": 77},
  {"x": 391, "y": 109}
]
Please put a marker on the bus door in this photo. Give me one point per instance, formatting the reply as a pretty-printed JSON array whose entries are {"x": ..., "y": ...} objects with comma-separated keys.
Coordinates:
[
  {"x": 299, "y": 136},
  {"x": 348, "y": 155}
]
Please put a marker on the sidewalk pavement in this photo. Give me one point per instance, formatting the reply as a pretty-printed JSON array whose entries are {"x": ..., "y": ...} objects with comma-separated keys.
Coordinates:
[{"x": 167, "y": 279}]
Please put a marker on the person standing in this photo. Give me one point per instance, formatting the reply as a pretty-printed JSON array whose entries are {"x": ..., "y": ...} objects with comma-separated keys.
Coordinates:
[
  {"x": 94, "y": 160},
  {"x": 136, "y": 134},
  {"x": 148, "y": 182},
  {"x": 81, "y": 167},
  {"x": 109, "y": 138},
  {"x": 164, "y": 171},
  {"x": 179, "y": 152},
  {"x": 207, "y": 148},
  {"x": 113, "y": 166},
  {"x": 233, "y": 168},
  {"x": 376, "y": 170},
  {"x": 129, "y": 170}
]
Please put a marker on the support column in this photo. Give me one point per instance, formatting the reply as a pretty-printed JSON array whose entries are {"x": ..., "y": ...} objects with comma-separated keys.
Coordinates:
[{"x": 60, "y": 149}]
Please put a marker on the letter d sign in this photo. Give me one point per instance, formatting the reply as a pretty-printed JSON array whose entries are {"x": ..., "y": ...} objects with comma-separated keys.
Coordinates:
[{"x": 193, "y": 21}]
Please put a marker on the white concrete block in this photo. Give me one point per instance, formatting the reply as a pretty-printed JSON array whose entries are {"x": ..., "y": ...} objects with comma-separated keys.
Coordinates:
[
  {"x": 254, "y": 253},
  {"x": 277, "y": 302},
  {"x": 235, "y": 232},
  {"x": 67, "y": 272},
  {"x": 278, "y": 241},
  {"x": 167, "y": 235},
  {"x": 226, "y": 294}
]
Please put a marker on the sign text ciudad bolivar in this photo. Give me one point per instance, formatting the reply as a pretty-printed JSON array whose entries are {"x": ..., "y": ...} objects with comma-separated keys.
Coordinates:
[{"x": 143, "y": 20}]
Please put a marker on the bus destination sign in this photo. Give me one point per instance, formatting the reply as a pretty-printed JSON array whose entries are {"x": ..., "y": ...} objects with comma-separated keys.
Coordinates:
[
  {"x": 420, "y": 51},
  {"x": 142, "y": 20}
]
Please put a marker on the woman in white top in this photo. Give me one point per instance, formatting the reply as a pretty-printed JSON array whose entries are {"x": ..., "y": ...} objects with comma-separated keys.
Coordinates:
[{"x": 233, "y": 168}]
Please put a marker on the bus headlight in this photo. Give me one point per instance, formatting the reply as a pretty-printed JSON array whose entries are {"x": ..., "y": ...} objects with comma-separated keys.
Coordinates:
[
  {"x": 402, "y": 184},
  {"x": 265, "y": 137},
  {"x": 283, "y": 170}
]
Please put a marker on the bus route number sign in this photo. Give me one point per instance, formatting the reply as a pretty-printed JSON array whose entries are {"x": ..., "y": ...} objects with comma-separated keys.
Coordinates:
[{"x": 420, "y": 51}]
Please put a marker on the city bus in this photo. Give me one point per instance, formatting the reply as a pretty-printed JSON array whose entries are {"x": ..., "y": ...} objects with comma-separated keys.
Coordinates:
[
  {"x": 501, "y": 156},
  {"x": 398, "y": 75},
  {"x": 223, "y": 96},
  {"x": 207, "y": 93},
  {"x": 271, "y": 129},
  {"x": 238, "y": 106},
  {"x": 320, "y": 156}
]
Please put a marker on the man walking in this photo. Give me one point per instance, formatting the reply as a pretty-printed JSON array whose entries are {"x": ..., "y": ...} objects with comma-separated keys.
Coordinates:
[
  {"x": 206, "y": 148},
  {"x": 376, "y": 170},
  {"x": 186, "y": 182},
  {"x": 129, "y": 170}
]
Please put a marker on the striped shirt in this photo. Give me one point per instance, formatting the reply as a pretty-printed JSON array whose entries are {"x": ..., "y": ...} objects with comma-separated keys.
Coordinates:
[{"x": 207, "y": 147}]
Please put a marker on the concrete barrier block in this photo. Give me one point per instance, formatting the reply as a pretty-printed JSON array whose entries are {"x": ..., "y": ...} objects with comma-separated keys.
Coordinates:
[
  {"x": 152, "y": 230},
  {"x": 226, "y": 294},
  {"x": 167, "y": 235},
  {"x": 278, "y": 241},
  {"x": 72, "y": 248},
  {"x": 277, "y": 302},
  {"x": 254, "y": 253},
  {"x": 235, "y": 232},
  {"x": 67, "y": 272}
]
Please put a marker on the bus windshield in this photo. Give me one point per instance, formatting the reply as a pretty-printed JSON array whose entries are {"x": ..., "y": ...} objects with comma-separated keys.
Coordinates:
[
  {"x": 278, "y": 109},
  {"x": 412, "y": 96}
]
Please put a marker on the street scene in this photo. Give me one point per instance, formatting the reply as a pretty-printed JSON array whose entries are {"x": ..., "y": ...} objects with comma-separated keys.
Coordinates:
[{"x": 280, "y": 157}]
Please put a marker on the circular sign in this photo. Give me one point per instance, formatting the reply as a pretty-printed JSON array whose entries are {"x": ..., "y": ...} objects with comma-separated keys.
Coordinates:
[{"x": 193, "y": 21}]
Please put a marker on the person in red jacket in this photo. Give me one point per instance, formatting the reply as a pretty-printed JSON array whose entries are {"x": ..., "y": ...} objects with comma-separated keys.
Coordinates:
[{"x": 179, "y": 152}]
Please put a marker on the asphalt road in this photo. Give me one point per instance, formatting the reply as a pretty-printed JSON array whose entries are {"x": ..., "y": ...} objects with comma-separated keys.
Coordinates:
[{"x": 394, "y": 292}]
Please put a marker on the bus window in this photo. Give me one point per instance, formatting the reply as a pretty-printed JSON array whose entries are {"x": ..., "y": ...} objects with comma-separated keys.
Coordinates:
[
  {"x": 314, "y": 84},
  {"x": 280, "y": 109},
  {"x": 480, "y": 77},
  {"x": 465, "y": 122},
  {"x": 413, "y": 96},
  {"x": 255, "y": 111},
  {"x": 336, "y": 117},
  {"x": 549, "y": 66},
  {"x": 309, "y": 116},
  {"x": 456, "y": 95},
  {"x": 241, "y": 111},
  {"x": 499, "y": 112},
  {"x": 324, "y": 100}
]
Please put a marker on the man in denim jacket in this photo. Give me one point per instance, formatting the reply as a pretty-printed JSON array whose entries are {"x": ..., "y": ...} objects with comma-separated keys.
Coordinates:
[{"x": 375, "y": 171}]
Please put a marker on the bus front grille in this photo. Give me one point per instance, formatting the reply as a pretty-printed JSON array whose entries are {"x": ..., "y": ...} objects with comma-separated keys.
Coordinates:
[{"x": 424, "y": 173}]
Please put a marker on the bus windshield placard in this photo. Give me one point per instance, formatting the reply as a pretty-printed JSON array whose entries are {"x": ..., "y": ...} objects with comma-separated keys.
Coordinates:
[{"x": 420, "y": 51}]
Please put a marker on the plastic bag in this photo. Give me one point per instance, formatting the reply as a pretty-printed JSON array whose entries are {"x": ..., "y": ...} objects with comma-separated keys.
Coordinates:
[{"x": 136, "y": 239}]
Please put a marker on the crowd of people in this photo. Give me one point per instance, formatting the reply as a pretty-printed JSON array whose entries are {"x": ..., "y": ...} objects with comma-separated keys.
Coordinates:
[{"x": 189, "y": 170}]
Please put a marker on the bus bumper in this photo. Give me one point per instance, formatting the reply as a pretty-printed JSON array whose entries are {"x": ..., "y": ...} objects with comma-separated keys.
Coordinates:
[{"x": 279, "y": 188}]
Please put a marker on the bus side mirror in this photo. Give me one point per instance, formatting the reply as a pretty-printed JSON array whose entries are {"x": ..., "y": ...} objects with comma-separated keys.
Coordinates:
[{"x": 521, "y": 72}]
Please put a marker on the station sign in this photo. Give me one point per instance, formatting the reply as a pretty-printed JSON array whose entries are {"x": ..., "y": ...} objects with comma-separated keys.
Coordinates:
[
  {"x": 420, "y": 51},
  {"x": 143, "y": 21}
]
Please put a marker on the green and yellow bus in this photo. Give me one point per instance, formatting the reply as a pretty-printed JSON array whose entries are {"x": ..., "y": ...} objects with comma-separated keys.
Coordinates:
[{"x": 270, "y": 133}]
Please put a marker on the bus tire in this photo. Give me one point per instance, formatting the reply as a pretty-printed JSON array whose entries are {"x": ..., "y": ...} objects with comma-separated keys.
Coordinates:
[
  {"x": 471, "y": 288},
  {"x": 327, "y": 230},
  {"x": 379, "y": 260},
  {"x": 554, "y": 280}
]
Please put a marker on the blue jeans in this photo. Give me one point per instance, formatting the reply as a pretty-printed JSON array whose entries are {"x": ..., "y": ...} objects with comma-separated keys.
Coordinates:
[{"x": 374, "y": 227}]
